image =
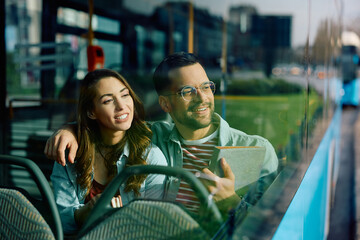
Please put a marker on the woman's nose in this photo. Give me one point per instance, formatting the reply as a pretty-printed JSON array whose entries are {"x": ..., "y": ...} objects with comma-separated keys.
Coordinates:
[{"x": 118, "y": 104}]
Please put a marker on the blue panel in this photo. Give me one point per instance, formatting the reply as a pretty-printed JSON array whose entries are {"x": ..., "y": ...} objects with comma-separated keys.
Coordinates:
[
  {"x": 306, "y": 217},
  {"x": 351, "y": 93}
]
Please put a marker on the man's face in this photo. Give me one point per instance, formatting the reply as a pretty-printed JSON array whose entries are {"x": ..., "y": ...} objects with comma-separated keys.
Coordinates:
[{"x": 198, "y": 111}]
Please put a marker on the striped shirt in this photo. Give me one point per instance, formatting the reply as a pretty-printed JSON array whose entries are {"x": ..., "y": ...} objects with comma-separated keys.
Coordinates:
[{"x": 196, "y": 157}]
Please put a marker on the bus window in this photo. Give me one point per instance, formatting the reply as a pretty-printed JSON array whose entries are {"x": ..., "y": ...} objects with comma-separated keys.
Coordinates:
[{"x": 270, "y": 76}]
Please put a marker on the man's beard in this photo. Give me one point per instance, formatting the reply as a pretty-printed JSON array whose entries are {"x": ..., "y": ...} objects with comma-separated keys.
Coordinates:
[{"x": 196, "y": 123}]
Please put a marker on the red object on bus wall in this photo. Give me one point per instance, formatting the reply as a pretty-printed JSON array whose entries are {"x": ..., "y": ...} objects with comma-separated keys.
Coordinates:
[{"x": 95, "y": 57}]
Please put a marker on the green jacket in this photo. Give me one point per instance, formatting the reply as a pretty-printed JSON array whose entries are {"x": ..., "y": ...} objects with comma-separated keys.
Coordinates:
[{"x": 167, "y": 138}]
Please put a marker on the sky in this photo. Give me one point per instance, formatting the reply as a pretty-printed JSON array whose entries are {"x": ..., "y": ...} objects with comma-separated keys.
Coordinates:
[
  {"x": 303, "y": 12},
  {"x": 307, "y": 14}
]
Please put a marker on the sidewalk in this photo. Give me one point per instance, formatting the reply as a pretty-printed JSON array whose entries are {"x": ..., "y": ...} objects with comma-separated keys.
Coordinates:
[
  {"x": 357, "y": 177},
  {"x": 343, "y": 212}
]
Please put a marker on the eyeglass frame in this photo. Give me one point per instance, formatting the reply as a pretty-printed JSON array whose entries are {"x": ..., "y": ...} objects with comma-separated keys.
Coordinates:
[{"x": 181, "y": 93}]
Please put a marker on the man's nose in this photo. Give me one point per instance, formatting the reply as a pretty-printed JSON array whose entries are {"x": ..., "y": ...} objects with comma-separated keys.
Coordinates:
[{"x": 200, "y": 95}]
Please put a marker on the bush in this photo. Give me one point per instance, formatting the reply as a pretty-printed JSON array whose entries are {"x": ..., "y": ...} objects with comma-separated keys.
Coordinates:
[{"x": 257, "y": 87}]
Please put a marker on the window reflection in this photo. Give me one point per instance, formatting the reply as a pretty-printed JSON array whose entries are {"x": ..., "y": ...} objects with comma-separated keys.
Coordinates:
[{"x": 275, "y": 78}]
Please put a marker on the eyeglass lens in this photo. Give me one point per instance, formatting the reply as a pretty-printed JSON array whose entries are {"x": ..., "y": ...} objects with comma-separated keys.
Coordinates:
[{"x": 189, "y": 92}]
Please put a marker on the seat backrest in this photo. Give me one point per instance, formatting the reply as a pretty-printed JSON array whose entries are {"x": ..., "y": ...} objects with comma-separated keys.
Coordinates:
[
  {"x": 150, "y": 219},
  {"x": 146, "y": 219},
  {"x": 50, "y": 211},
  {"x": 19, "y": 219}
]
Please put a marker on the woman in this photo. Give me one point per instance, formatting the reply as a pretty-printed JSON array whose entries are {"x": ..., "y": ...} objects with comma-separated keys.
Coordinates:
[{"x": 112, "y": 134}]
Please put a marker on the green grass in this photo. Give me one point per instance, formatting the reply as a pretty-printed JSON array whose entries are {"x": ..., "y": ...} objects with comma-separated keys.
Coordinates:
[{"x": 273, "y": 117}]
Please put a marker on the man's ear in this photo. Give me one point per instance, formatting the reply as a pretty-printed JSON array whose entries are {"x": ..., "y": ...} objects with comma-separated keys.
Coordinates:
[
  {"x": 91, "y": 115},
  {"x": 165, "y": 104}
]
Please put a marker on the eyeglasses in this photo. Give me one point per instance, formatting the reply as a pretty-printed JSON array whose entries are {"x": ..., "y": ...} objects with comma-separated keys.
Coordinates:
[{"x": 189, "y": 92}]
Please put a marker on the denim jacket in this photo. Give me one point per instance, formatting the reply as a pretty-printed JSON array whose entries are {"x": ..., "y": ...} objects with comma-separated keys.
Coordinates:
[
  {"x": 69, "y": 196},
  {"x": 167, "y": 138}
]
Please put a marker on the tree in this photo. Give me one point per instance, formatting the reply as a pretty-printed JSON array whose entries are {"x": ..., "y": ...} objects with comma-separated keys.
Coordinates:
[{"x": 327, "y": 42}]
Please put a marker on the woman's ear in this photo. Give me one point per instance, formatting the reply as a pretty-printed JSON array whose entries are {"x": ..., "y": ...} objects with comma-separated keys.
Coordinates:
[
  {"x": 165, "y": 104},
  {"x": 91, "y": 115}
]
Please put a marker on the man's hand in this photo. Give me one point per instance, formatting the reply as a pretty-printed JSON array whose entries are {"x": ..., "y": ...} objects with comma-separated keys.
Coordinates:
[
  {"x": 224, "y": 187},
  {"x": 62, "y": 139},
  {"x": 223, "y": 190}
]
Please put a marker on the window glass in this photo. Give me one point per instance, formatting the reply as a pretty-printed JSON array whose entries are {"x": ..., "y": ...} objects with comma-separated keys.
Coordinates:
[
  {"x": 22, "y": 34},
  {"x": 71, "y": 17},
  {"x": 276, "y": 65},
  {"x": 74, "y": 18},
  {"x": 107, "y": 25}
]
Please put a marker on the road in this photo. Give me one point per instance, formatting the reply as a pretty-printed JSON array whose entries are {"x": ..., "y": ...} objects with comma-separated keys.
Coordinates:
[{"x": 342, "y": 215}]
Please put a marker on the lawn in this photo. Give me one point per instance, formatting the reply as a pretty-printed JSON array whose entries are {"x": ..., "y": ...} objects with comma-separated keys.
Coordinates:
[{"x": 273, "y": 117}]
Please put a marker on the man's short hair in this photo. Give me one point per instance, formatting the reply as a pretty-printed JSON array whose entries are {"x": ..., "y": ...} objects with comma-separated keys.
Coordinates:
[{"x": 176, "y": 60}]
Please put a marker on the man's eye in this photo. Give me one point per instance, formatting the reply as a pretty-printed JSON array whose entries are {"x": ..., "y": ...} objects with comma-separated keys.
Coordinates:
[{"x": 187, "y": 91}]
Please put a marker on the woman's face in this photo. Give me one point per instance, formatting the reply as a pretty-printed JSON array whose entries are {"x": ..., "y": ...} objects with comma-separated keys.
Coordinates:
[{"x": 113, "y": 109}]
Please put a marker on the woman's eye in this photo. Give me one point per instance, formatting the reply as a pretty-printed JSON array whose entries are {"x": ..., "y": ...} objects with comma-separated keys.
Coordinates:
[
  {"x": 125, "y": 94},
  {"x": 108, "y": 101}
]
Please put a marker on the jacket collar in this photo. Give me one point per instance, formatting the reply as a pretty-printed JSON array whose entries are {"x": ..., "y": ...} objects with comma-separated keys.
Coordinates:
[
  {"x": 126, "y": 150},
  {"x": 225, "y": 138}
]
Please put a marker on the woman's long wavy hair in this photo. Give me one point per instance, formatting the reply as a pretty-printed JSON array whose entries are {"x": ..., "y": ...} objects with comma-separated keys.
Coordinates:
[{"x": 138, "y": 136}]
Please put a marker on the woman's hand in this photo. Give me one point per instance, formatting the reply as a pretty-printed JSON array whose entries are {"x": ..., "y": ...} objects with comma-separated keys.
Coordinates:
[{"x": 82, "y": 213}]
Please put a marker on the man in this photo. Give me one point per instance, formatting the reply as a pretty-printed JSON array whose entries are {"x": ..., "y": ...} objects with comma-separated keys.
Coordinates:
[{"x": 186, "y": 93}]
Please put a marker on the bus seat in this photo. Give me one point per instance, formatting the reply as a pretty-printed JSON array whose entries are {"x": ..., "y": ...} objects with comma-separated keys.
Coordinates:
[
  {"x": 146, "y": 219},
  {"x": 17, "y": 210},
  {"x": 19, "y": 219},
  {"x": 151, "y": 219}
]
